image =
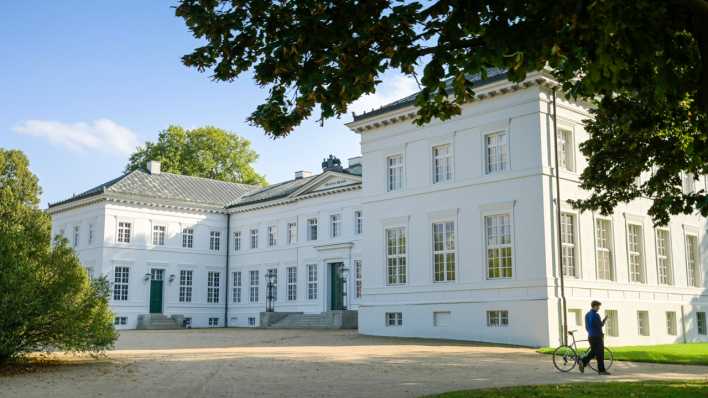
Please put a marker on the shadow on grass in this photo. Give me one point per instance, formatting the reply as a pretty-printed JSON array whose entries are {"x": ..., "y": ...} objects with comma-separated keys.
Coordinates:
[{"x": 37, "y": 363}]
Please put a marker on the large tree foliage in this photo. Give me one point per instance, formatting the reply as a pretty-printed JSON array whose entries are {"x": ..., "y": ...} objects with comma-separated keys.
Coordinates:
[
  {"x": 642, "y": 63},
  {"x": 47, "y": 300},
  {"x": 207, "y": 152}
]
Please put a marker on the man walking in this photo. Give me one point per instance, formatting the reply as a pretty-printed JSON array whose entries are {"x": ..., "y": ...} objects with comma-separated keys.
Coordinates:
[{"x": 593, "y": 324}]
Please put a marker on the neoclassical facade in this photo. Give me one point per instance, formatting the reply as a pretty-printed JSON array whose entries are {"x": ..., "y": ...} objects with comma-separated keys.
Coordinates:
[{"x": 449, "y": 230}]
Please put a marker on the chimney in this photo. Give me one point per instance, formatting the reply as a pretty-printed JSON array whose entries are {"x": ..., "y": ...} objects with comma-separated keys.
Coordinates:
[
  {"x": 355, "y": 161},
  {"x": 153, "y": 167},
  {"x": 302, "y": 174}
]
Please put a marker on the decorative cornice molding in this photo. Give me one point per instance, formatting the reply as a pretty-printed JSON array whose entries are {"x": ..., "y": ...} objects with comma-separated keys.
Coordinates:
[{"x": 288, "y": 200}]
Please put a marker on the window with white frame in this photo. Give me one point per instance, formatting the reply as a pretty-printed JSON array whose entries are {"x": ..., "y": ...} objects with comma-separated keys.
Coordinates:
[
  {"x": 253, "y": 296},
  {"x": 312, "y": 281},
  {"x": 688, "y": 183},
  {"x": 254, "y": 239},
  {"x": 274, "y": 283},
  {"x": 213, "y": 287},
  {"x": 566, "y": 150},
  {"x": 643, "y": 323},
  {"x": 120, "y": 320},
  {"x": 497, "y": 318},
  {"x": 335, "y": 225},
  {"x": 692, "y": 261},
  {"x": 272, "y": 235},
  {"x": 292, "y": 283},
  {"x": 236, "y": 293},
  {"x": 237, "y": 241},
  {"x": 603, "y": 249},
  {"x": 663, "y": 257},
  {"x": 90, "y": 234},
  {"x": 701, "y": 323},
  {"x": 214, "y": 240},
  {"x": 497, "y": 152},
  {"x": 358, "y": 222},
  {"x": 158, "y": 235},
  {"x": 292, "y": 233},
  {"x": 635, "y": 249},
  {"x": 499, "y": 246},
  {"x": 251, "y": 321},
  {"x": 312, "y": 229},
  {"x": 188, "y": 238},
  {"x": 444, "y": 251},
  {"x": 121, "y": 276},
  {"x": 213, "y": 322},
  {"x": 396, "y": 258},
  {"x": 671, "y": 328},
  {"x": 358, "y": 276},
  {"x": 442, "y": 163},
  {"x": 394, "y": 319},
  {"x": 394, "y": 173},
  {"x": 123, "y": 232},
  {"x": 77, "y": 235},
  {"x": 576, "y": 315},
  {"x": 185, "y": 286},
  {"x": 612, "y": 323},
  {"x": 441, "y": 318},
  {"x": 568, "y": 245}
]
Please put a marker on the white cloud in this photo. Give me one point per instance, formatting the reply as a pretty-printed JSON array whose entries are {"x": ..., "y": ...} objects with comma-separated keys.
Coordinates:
[
  {"x": 391, "y": 89},
  {"x": 101, "y": 135}
]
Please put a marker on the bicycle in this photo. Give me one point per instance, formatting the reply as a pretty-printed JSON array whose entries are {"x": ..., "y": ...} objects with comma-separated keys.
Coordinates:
[{"x": 566, "y": 357}]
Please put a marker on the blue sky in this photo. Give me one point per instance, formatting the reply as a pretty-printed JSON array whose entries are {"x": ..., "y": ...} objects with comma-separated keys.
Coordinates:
[{"x": 82, "y": 83}]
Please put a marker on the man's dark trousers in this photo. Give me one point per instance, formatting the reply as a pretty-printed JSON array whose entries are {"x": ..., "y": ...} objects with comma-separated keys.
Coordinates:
[{"x": 597, "y": 351}]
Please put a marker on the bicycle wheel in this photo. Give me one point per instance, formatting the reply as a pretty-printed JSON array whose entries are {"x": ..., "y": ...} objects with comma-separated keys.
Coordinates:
[
  {"x": 609, "y": 358},
  {"x": 565, "y": 358}
]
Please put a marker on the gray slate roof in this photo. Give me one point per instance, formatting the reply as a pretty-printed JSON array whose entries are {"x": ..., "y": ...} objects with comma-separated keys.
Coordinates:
[
  {"x": 493, "y": 75},
  {"x": 196, "y": 190}
]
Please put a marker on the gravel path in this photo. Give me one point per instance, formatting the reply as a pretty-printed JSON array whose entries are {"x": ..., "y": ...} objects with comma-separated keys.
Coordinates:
[{"x": 302, "y": 363}]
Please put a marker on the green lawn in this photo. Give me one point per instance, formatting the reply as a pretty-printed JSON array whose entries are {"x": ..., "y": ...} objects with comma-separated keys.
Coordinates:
[
  {"x": 691, "y": 353},
  {"x": 645, "y": 389}
]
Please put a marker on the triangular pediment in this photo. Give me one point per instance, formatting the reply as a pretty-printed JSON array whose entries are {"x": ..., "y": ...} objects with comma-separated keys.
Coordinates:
[{"x": 327, "y": 181}]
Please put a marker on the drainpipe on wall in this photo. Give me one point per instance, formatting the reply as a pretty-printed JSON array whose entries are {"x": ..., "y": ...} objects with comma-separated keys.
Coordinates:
[
  {"x": 558, "y": 225},
  {"x": 228, "y": 254}
]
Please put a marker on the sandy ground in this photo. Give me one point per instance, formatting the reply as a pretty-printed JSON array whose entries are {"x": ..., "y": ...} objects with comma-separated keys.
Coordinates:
[{"x": 301, "y": 363}]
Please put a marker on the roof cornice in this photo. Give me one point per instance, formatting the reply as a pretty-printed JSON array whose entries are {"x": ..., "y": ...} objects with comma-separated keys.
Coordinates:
[{"x": 287, "y": 200}]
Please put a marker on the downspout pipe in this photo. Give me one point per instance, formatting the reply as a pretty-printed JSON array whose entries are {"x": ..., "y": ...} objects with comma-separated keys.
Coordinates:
[
  {"x": 228, "y": 255},
  {"x": 558, "y": 225}
]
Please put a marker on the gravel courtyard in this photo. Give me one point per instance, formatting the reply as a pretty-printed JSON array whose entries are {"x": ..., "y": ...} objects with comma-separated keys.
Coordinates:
[{"x": 301, "y": 363}]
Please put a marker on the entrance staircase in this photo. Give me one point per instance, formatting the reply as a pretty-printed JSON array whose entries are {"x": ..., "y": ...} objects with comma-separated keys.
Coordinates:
[
  {"x": 159, "y": 322},
  {"x": 299, "y": 320}
]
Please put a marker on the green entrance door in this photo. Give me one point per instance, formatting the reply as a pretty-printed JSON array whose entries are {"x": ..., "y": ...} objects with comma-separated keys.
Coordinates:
[
  {"x": 156, "y": 281},
  {"x": 337, "y": 286}
]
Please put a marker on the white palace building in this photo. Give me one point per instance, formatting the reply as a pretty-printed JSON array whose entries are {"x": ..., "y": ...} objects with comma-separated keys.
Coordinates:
[{"x": 442, "y": 231}]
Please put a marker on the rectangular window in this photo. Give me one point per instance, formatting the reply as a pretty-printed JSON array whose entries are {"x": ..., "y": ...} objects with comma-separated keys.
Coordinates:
[
  {"x": 292, "y": 233},
  {"x": 636, "y": 252},
  {"x": 188, "y": 238},
  {"x": 396, "y": 263},
  {"x": 237, "y": 241},
  {"x": 643, "y": 323},
  {"x": 496, "y": 319},
  {"x": 120, "y": 320},
  {"x": 311, "y": 229},
  {"x": 358, "y": 222},
  {"x": 214, "y": 240},
  {"x": 90, "y": 234},
  {"x": 251, "y": 321},
  {"x": 575, "y": 317},
  {"x": 292, "y": 283},
  {"x": 213, "y": 322},
  {"x": 121, "y": 277},
  {"x": 603, "y": 245},
  {"x": 312, "y": 282},
  {"x": 566, "y": 150},
  {"x": 335, "y": 225},
  {"x": 254, "y": 239},
  {"x": 701, "y": 323},
  {"x": 185, "y": 286},
  {"x": 688, "y": 183},
  {"x": 671, "y": 329},
  {"x": 568, "y": 254},
  {"x": 358, "y": 276},
  {"x": 395, "y": 173},
  {"x": 272, "y": 236},
  {"x": 124, "y": 232},
  {"x": 612, "y": 323},
  {"x": 253, "y": 297},
  {"x": 274, "y": 283},
  {"x": 497, "y": 152},
  {"x": 444, "y": 251},
  {"x": 442, "y": 163},
  {"x": 441, "y": 318},
  {"x": 663, "y": 257},
  {"x": 213, "y": 287},
  {"x": 499, "y": 246},
  {"x": 236, "y": 294},
  {"x": 77, "y": 235},
  {"x": 692, "y": 261},
  {"x": 394, "y": 319},
  {"x": 158, "y": 235}
]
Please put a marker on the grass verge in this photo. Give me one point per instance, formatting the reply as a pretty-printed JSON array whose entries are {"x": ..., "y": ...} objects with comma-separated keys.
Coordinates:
[{"x": 685, "y": 354}]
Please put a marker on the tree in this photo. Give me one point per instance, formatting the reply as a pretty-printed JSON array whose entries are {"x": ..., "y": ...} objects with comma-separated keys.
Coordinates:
[
  {"x": 47, "y": 300},
  {"x": 642, "y": 64},
  {"x": 208, "y": 152}
]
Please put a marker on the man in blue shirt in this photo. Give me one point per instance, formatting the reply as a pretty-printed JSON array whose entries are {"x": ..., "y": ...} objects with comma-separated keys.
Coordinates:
[{"x": 593, "y": 324}]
